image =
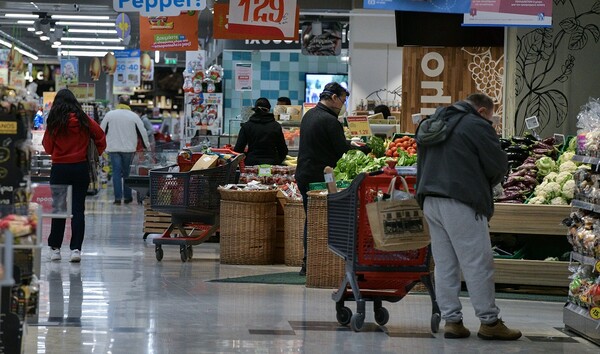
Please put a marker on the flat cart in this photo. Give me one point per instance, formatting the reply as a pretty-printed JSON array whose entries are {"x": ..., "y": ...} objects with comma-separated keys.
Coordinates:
[
  {"x": 193, "y": 200},
  {"x": 371, "y": 274}
]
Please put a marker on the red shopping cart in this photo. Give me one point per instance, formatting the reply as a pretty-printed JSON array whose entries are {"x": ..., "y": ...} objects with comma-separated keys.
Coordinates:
[{"x": 371, "y": 274}]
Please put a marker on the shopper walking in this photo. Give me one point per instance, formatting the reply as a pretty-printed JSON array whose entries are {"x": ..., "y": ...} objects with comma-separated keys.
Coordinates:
[
  {"x": 148, "y": 126},
  {"x": 455, "y": 178},
  {"x": 263, "y": 136},
  {"x": 68, "y": 133},
  {"x": 123, "y": 128},
  {"x": 322, "y": 143}
]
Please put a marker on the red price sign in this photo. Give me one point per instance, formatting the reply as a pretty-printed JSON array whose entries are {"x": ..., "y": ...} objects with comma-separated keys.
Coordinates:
[
  {"x": 258, "y": 14},
  {"x": 359, "y": 126}
]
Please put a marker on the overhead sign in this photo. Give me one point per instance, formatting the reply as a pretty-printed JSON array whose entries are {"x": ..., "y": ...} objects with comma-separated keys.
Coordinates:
[
  {"x": 69, "y": 71},
  {"x": 444, "y": 6},
  {"x": 169, "y": 33},
  {"x": 242, "y": 19},
  {"x": 127, "y": 72},
  {"x": 158, "y": 7},
  {"x": 532, "y": 13}
]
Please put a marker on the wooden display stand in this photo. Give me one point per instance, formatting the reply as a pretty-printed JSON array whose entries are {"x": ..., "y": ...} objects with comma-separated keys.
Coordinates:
[{"x": 529, "y": 219}]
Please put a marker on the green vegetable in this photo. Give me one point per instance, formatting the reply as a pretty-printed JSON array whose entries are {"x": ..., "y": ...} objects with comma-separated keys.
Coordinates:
[
  {"x": 545, "y": 165},
  {"x": 377, "y": 146},
  {"x": 404, "y": 159},
  {"x": 354, "y": 162}
]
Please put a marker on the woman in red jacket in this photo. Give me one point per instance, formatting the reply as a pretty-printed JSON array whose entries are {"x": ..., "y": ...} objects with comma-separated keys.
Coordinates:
[{"x": 68, "y": 133}]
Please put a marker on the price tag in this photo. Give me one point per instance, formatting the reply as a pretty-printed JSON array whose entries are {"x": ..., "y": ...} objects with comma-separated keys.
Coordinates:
[
  {"x": 128, "y": 69},
  {"x": 532, "y": 122},
  {"x": 264, "y": 170},
  {"x": 284, "y": 117},
  {"x": 255, "y": 15},
  {"x": 595, "y": 313},
  {"x": 559, "y": 139},
  {"x": 359, "y": 126},
  {"x": 329, "y": 177},
  {"x": 597, "y": 267}
]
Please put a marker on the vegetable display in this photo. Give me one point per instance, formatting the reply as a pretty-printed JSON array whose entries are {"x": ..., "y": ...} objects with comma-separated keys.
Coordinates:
[
  {"x": 405, "y": 143},
  {"x": 377, "y": 146},
  {"x": 354, "y": 162}
]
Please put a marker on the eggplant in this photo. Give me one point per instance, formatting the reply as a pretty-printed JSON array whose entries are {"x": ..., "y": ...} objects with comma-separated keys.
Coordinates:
[
  {"x": 549, "y": 141},
  {"x": 504, "y": 143},
  {"x": 517, "y": 148},
  {"x": 542, "y": 145},
  {"x": 519, "y": 140},
  {"x": 530, "y": 139},
  {"x": 530, "y": 180},
  {"x": 517, "y": 156},
  {"x": 527, "y": 166}
]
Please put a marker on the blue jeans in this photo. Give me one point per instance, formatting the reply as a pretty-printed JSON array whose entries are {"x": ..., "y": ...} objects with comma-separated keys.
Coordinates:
[{"x": 121, "y": 164}]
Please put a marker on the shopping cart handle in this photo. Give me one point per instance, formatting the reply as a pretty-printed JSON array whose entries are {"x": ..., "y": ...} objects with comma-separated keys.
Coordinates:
[{"x": 375, "y": 173}]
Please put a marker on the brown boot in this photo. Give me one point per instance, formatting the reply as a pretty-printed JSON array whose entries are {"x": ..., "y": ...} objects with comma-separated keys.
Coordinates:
[
  {"x": 455, "y": 330},
  {"x": 498, "y": 331}
]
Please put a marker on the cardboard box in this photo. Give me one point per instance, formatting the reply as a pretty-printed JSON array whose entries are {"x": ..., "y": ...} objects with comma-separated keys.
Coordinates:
[{"x": 206, "y": 161}]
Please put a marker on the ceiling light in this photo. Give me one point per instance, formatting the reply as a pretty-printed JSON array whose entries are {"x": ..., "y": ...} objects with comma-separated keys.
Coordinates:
[
  {"x": 25, "y": 22},
  {"x": 94, "y": 24},
  {"x": 91, "y": 39},
  {"x": 5, "y": 43},
  {"x": 30, "y": 29},
  {"x": 81, "y": 17},
  {"x": 93, "y": 47},
  {"x": 89, "y": 30},
  {"x": 21, "y": 16},
  {"x": 79, "y": 53},
  {"x": 26, "y": 53},
  {"x": 56, "y": 43},
  {"x": 37, "y": 28},
  {"x": 44, "y": 38}
]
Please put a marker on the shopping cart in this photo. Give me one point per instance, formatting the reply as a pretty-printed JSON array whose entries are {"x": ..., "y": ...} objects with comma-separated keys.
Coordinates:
[
  {"x": 371, "y": 274},
  {"x": 192, "y": 200}
]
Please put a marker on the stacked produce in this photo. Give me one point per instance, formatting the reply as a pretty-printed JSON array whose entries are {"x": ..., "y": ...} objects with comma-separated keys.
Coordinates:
[
  {"x": 584, "y": 233},
  {"x": 290, "y": 160},
  {"x": 584, "y": 289},
  {"x": 278, "y": 175}
]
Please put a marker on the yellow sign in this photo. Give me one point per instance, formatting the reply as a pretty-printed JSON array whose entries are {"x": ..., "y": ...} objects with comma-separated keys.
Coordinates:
[
  {"x": 595, "y": 313},
  {"x": 597, "y": 267},
  {"x": 8, "y": 127},
  {"x": 359, "y": 126},
  {"x": 47, "y": 100}
]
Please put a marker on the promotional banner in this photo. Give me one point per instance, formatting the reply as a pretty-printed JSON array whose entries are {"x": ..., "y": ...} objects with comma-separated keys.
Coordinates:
[
  {"x": 47, "y": 99},
  {"x": 69, "y": 71},
  {"x": 243, "y": 76},
  {"x": 169, "y": 33},
  {"x": 127, "y": 72},
  {"x": 454, "y": 6},
  {"x": 533, "y": 13},
  {"x": 263, "y": 22},
  {"x": 158, "y": 8},
  {"x": 16, "y": 79},
  {"x": 147, "y": 67},
  {"x": 4, "y": 66},
  {"x": 321, "y": 38},
  {"x": 95, "y": 68}
]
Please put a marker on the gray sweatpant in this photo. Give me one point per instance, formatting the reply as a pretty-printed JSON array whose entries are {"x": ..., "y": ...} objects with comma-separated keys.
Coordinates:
[{"x": 461, "y": 241}]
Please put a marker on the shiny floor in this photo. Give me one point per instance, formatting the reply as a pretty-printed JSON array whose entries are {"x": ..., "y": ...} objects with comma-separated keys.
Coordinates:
[{"x": 119, "y": 299}]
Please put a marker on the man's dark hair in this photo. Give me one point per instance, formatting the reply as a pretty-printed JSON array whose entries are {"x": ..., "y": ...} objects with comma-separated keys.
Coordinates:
[
  {"x": 284, "y": 100},
  {"x": 124, "y": 99},
  {"x": 383, "y": 109},
  {"x": 333, "y": 88},
  {"x": 262, "y": 104},
  {"x": 481, "y": 100}
]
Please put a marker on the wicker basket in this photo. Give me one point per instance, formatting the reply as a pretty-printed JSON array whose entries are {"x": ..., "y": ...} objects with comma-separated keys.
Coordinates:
[
  {"x": 251, "y": 196},
  {"x": 294, "y": 217},
  {"x": 247, "y": 232},
  {"x": 324, "y": 269}
]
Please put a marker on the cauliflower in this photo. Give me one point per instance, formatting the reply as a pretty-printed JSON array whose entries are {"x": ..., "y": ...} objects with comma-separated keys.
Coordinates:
[
  {"x": 569, "y": 166},
  {"x": 568, "y": 189},
  {"x": 537, "y": 200},
  {"x": 551, "y": 190},
  {"x": 551, "y": 177},
  {"x": 562, "y": 177},
  {"x": 558, "y": 201},
  {"x": 566, "y": 156}
]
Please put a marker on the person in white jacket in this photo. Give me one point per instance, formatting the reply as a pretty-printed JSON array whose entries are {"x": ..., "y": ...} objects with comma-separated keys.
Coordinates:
[{"x": 123, "y": 128}]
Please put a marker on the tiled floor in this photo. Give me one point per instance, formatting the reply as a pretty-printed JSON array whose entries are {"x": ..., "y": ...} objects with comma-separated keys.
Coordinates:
[{"x": 119, "y": 299}]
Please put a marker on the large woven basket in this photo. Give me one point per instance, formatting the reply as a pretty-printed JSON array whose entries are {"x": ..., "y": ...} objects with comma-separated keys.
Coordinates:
[
  {"x": 324, "y": 269},
  {"x": 247, "y": 232},
  {"x": 294, "y": 217},
  {"x": 251, "y": 196}
]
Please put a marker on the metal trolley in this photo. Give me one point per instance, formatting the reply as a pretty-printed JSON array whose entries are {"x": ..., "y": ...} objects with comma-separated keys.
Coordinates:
[
  {"x": 371, "y": 274},
  {"x": 193, "y": 200}
]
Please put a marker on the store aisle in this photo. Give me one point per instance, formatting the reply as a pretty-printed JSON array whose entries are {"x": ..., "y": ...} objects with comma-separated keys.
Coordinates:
[{"x": 119, "y": 299}]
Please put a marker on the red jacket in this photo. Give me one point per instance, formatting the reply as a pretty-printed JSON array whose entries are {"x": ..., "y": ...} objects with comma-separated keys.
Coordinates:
[{"x": 72, "y": 147}]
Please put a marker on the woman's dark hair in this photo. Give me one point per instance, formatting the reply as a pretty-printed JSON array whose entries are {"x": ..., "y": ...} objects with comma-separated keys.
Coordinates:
[
  {"x": 284, "y": 100},
  {"x": 63, "y": 105},
  {"x": 333, "y": 88},
  {"x": 383, "y": 109},
  {"x": 262, "y": 104}
]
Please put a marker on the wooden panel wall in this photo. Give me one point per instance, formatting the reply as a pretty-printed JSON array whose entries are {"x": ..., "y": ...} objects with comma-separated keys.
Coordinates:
[{"x": 461, "y": 71}]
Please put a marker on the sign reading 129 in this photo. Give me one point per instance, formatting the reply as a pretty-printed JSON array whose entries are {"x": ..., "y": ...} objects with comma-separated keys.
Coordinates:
[
  {"x": 256, "y": 15},
  {"x": 262, "y": 10}
]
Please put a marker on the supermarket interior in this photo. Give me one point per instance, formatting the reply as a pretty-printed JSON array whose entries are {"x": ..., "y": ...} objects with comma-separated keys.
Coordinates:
[{"x": 208, "y": 254}]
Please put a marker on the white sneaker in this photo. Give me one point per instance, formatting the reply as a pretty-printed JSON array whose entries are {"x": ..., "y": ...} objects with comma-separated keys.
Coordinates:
[
  {"x": 75, "y": 255},
  {"x": 55, "y": 254}
]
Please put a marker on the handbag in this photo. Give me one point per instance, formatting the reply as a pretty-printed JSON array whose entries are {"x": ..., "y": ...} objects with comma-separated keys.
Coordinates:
[
  {"x": 398, "y": 223},
  {"x": 93, "y": 160}
]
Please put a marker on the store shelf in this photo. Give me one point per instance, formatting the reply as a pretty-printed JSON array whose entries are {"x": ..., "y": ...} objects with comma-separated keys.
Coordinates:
[
  {"x": 529, "y": 219},
  {"x": 531, "y": 272},
  {"x": 578, "y": 320},
  {"x": 585, "y": 205},
  {"x": 586, "y": 159}
]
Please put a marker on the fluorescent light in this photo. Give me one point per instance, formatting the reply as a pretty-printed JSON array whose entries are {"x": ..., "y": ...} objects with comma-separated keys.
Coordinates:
[
  {"x": 90, "y": 39},
  {"x": 80, "y": 53},
  {"x": 44, "y": 38},
  {"x": 25, "y": 22},
  {"x": 88, "y": 30},
  {"x": 30, "y": 29},
  {"x": 5, "y": 43},
  {"x": 93, "y": 47},
  {"x": 94, "y": 24},
  {"x": 81, "y": 17},
  {"x": 22, "y": 16},
  {"x": 26, "y": 53},
  {"x": 56, "y": 43}
]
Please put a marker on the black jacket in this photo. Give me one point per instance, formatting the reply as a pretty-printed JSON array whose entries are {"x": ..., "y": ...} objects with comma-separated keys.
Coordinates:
[
  {"x": 465, "y": 166},
  {"x": 322, "y": 143},
  {"x": 264, "y": 138}
]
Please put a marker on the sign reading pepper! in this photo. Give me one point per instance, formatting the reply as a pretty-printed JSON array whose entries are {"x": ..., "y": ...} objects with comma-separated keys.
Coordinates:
[
  {"x": 169, "y": 33},
  {"x": 158, "y": 7}
]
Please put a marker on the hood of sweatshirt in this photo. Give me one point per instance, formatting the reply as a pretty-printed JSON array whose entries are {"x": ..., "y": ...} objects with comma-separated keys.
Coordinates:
[{"x": 262, "y": 117}]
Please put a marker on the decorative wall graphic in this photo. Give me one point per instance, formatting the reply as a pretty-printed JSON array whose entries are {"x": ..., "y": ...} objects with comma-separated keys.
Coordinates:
[
  {"x": 541, "y": 70},
  {"x": 487, "y": 74}
]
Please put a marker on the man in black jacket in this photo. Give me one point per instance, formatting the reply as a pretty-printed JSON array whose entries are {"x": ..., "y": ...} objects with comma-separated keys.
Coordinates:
[
  {"x": 264, "y": 137},
  {"x": 322, "y": 142},
  {"x": 455, "y": 178}
]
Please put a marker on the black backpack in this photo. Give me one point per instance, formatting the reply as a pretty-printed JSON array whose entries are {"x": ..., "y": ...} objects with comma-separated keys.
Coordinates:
[{"x": 435, "y": 129}]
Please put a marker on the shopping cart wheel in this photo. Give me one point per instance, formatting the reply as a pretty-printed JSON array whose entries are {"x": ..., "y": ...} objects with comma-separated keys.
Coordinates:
[
  {"x": 357, "y": 321},
  {"x": 183, "y": 253},
  {"x": 159, "y": 253},
  {"x": 382, "y": 316},
  {"x": 190, "y": 252},
  {"x": 344, "y": 315},
  {"x": 435, "y": 322}
]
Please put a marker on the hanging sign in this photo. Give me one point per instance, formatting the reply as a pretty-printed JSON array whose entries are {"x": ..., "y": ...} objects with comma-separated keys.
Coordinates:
[
  {"x": 169, "y": 33},
  {"x": 127, "y": 72},
  {"x": 243, "y": 76},
  {"x": 260, "y": 19},
  {"x": 69, "y": 71},
  {"x": 4, "y": 66},
  {"x": 158, "y": 8},
  {"x": 442, "y": 6},
  {"x": 532, "y": 13},
  {"x": 147, "y": 67}
]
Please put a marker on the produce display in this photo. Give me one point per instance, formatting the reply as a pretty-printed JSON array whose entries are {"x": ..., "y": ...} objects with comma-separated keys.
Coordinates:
[
  {"x": 584, "y": 232},
  {"x": 404, "y": 149},
  {"x": 354, "y": 162},
  {"x": 22, "y": 227},
  {"x": 290, "y": 161},
  {"x": 269, "y": 175},
  {"x": 588, "y": 140},
  {"x": 584, "y": 289}
]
